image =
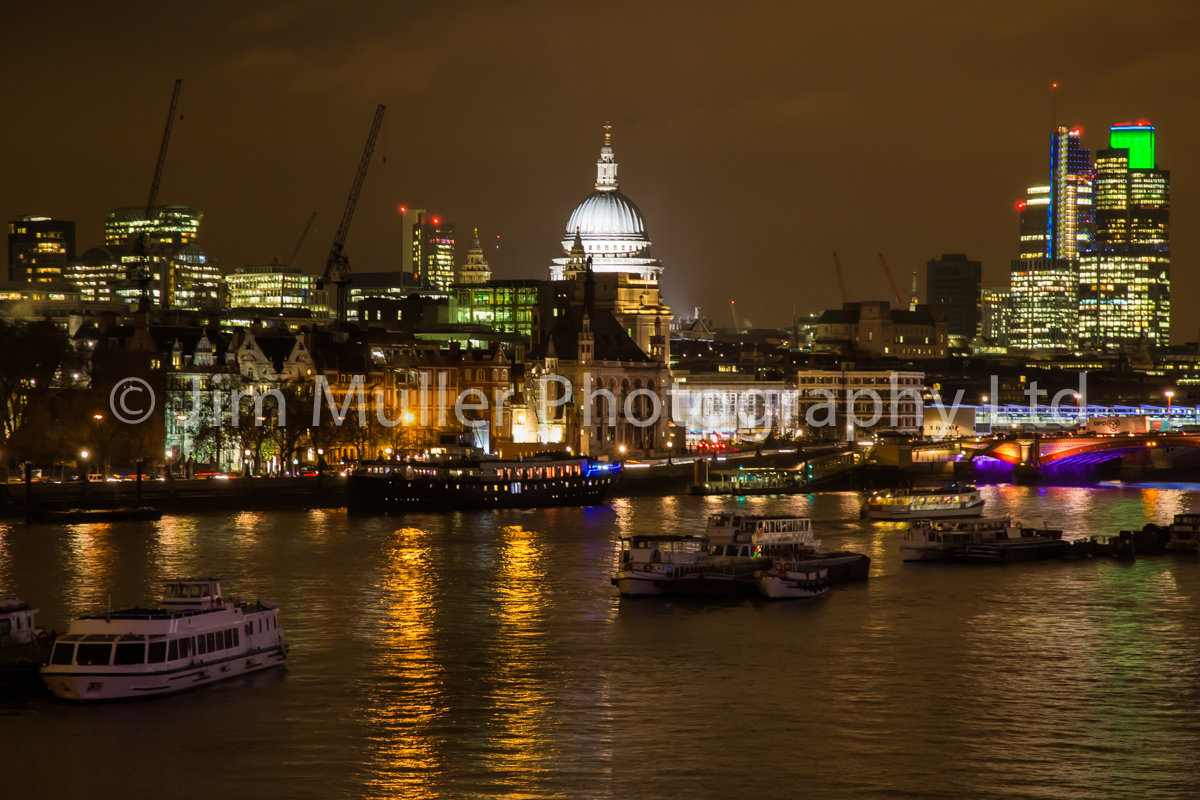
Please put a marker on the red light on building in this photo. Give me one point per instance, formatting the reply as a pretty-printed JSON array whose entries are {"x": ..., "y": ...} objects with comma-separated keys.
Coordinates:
[
  {"x": 1077, "y": 131},
  {"x": 1144, "y": 123},
  {"x": 1020, "y": 206},
  {"x": 403, "y": 209},
  {"x": 436, "y": 221}
]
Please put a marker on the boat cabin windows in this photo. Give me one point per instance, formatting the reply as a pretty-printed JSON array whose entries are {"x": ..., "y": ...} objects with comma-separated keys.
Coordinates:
[
  {"x": 64, "y": 653},
  {"x": 130, "y": 653},
  {"x": 93, "y": 655},
  {"x": 188, "y": 590}
]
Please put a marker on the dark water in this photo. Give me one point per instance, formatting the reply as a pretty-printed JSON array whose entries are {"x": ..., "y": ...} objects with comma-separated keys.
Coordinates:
[{"x": 485, "y": 654}]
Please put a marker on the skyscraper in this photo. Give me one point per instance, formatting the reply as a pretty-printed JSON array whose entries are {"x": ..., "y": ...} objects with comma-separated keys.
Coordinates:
[
  {"x": 953, "y": 282},
  {"x": 410, "y": 229},
  {"x": 1071, "y": 218},
  {"x": 40, "y": 249},
  {"x": 433, "y": 252},
  {"x": 1058, "y": 223},
  {"x": 1125, "y": 276}
]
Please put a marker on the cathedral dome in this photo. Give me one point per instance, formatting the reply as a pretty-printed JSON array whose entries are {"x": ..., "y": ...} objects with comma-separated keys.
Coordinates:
[
  {"x": 608, "y": 222},
  {"x": 610, "y": 229}
]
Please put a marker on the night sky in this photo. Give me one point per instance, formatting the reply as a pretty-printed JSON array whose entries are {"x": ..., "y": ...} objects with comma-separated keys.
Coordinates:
[{"x": 757, "y": 138}]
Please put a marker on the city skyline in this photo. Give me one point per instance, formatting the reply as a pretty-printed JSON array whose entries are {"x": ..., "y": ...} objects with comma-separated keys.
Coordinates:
[{"x": 943, "y": 182}]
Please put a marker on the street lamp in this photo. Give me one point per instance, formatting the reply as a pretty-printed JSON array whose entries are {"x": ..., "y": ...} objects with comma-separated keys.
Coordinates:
[
  {"x": 84, "y": 454},
  {"x": 409, "y": 417},
  {"x": 97, "y": 417}
]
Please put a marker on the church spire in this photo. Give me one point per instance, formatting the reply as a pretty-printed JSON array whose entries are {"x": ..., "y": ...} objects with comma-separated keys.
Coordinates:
[
  {"x": 475, "y": 269},
  {"x": 914, "y": 299},
  {"x": 577, "y": 261},
  {"x": 606, "y": 167}
]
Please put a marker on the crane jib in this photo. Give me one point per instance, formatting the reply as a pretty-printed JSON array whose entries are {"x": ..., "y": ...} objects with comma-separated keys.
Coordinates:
[{"x": 337, "y": 267}]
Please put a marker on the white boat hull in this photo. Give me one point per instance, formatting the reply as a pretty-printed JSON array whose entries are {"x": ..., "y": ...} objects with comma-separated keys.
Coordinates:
[
  {"x": 104, "y": 683},
  {"x": 642, "y": 584},
  {"x": 924, "y": 554},
  {"x": 901, "y": 512},
  {"x": 795, "y": 586}
]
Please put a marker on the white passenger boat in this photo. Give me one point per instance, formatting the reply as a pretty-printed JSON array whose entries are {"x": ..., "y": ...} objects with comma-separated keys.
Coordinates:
[
  {"x": 950, "y": 501},
  {"x": 938, "y": 540},
  {"x": 1185, "y": 533},
  {"x": 651, "y": 565},
  {"x": 195, "y": 638}
]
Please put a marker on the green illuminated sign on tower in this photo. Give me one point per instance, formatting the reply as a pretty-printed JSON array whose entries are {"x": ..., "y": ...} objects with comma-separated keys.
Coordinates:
[{"x": 1138, "y": 139}]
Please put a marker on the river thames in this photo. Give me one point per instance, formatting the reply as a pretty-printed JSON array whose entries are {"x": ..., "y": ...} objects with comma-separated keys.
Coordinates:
[{"x": 486, "y": 654}]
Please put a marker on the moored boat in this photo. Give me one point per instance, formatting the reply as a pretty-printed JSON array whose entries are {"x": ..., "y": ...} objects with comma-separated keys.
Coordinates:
[
  {"x": 941, "y": 540},
  {"x": 954, "y": 500},
  {"x": 652, "y": 565},
  {"x": 1123, "y": 546},
  {"x": 1185, "y": 533},
  {"x": 84, "y": 515},
  {"x": 23, "y": 645},
  {"x": 195, "y": 638},
  {"x": 465, "y": 478},
  {"x": 1020, "y": 544},
  {"x": 788, "y": 584},
  {"x": 774, "y": 556}
]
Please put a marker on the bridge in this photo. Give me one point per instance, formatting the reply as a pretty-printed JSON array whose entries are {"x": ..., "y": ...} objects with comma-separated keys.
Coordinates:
[{"x": 1030, "y": 453}]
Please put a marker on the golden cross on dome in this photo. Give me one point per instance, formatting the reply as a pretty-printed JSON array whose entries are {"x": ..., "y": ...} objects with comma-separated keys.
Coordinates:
[{"x": 607, "y": 133}]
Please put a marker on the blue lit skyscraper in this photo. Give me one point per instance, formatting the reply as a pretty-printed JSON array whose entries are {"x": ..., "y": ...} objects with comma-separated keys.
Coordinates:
[{"x": 1058, "y": 223}]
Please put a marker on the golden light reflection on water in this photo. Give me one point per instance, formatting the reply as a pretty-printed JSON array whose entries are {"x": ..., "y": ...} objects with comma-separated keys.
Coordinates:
[
  {"x": 6, "y": 576},
  {"x": 175, "y": 545},
  {"x": 519, "y": 741},
  {"x": 404, "y": 749},
  {"x": 90, "y": 557}
]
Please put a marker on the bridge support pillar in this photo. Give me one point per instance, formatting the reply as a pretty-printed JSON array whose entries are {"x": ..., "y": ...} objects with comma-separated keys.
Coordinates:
[{"x": 1026, "y": 474}]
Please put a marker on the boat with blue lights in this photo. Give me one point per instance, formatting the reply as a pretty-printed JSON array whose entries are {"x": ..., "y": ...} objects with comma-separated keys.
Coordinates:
[{"x": 458, "y": 478}]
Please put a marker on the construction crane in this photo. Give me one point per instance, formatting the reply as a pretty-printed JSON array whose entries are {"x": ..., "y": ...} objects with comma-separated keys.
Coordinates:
[
  {"x": 337, "y": 267},
  {"x": 895, "y": 293},
  {"x": 841, "y": 283},
  {"x": 296, "y": 249},
  {"x": 141, "y": 245}
]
